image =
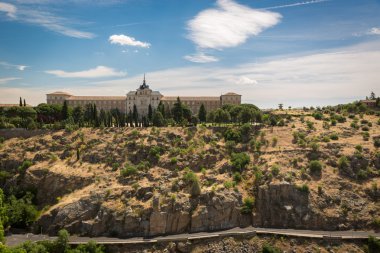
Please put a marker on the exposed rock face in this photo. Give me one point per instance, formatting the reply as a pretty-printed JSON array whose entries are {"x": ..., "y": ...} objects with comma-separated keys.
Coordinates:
[
  {"x": 90, "y": 217},
  {"x": 282, "y": 205}
]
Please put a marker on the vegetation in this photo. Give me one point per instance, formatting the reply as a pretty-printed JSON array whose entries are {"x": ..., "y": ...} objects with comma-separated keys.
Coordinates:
[{"x": 240, "y": 161}]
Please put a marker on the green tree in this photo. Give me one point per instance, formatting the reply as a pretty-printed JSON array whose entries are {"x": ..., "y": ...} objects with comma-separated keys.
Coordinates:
[
  {"x": 161, "y": 109},
  {"x": 135, "y": 115},
  {"x": 65, "y": 111},
  {"x": 24, "y": 102},
  {"x": 202, "y": 114},
  {"x": 240, "y": 161},
  {"x": 158, "y": 119},
  {"x": 280, "y": 106},
  {"x": 221, "y": 116},
  {"x": 177, "y": 111},
  {"x": 20, "y": 101},
  {"x": 372, "y": 96},
  {"x": 150, "y": 113},
  {"x": 246, "y": 115},
  {"x": 78, "y": 115}
]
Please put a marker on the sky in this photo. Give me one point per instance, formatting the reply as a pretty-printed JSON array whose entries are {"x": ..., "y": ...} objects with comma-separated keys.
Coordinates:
[{"x": 294, "y": 52}]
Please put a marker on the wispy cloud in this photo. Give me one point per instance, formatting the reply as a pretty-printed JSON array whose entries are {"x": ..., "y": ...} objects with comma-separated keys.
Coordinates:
[
  {"x": 9, "y": 65},
  {"x": 246, "y": 81},
  {"x": 43, "y": 18},
  {"x": 125, "y": 40},
  {"x": 229, "y": 24},
  {"x": 99, "y": 71},
  {"x": 295, "y": 4},
  {"x": 8, "y": 79},
  {"x": 201, "y": 57},
  {"x": 9, "y": 9},
  {"x": 374, "y": 31}
]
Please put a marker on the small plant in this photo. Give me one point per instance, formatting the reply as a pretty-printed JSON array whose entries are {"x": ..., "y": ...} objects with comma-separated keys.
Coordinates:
[
  {"x": 240, "y": 161},
  {"x": 115, "y": 166},
  {"x": 343, "y": 163},
  {"x": 275, "y": 169},
  {"x": 24, "y": 166},
  {"x": 359, "y": 148},
  {"x": 326, "y": 138},
  {"x": 128, "y": 170},
  {"x": 365, "y": 128},
  {"x": 237, "y": 177},
  {"x": 229, "y": 184},
  {"x": 303, "y": 188},
  {"x": 274, "y": 141},
  {"x": 365, "y": 136},
  {"x": 173, "y": 160},
  {"x": 315, "y": 167},
  {"x": 248, "y": 204},
  {"x": 334, "y": 136}
]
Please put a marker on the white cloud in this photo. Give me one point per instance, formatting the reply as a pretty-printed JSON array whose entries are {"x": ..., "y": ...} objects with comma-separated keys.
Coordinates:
[
  {"x": 8, "y": 79},
  {"x": 339, "y": 75},
  {"x": 374, "y": 31},
  {"x": 201, "y": 57},
  {"x": 296, "y": 4},
  {"x": 9, "y": 65},
  {"x": 125, "y": 40},
  {"x": 44, "y": 19},
  {"x": 229, "y": 25},
  {"x": 246, "y": 81},
  {"x": 9, "y": 9},
  {"x": 99, "y": 71}
]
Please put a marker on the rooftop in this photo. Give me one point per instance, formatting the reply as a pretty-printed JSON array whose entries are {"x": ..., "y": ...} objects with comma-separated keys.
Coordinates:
[
  {"x": 60, "y": 93},
  {"x": 73, "y": 98},
  {"x": 231, "y": 94},
  {"x": 171, "y": 98}
]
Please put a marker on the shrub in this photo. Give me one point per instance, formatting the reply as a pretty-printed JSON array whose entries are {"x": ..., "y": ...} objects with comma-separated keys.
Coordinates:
[
  {"x": 270, "y": 249},
  {"x": 173, "y": 160},
  {"x": 373, "y": 245},
  {"x": 189, "y": 176},
  {"x": 303, "y": 188},
  {"x": 365, "y": 136},
  {"x": 365, "y": 128},
  {"x": 248, "y": 204},
  {"x": 376, "y": 142},
  {"x": 310, "y": 125},
  {"x": 334, "y": 136},
  {"x": 343, "y": 163},
  {"x": 237, "y": 177},
  {"x": 128, "y": 170},
  {"x": 274, "y": 141},
  {"x": 232, "y": 135},
  {"x": 326, "y": 138},
  {"x": 318, "y": 116},
  {"x": 362, "y": 174},
  {"x": 115, "y": 166},
  {"x": 315, "y": 167},
  {"x": 359, "y": 148},
  {"x": 24, "y": 166},
  {"x": 333, "y": 122},
  {"x": 229, "y": 184},
  {"x": 275, "y": 169},
  {"x": 240, "y": 161}
]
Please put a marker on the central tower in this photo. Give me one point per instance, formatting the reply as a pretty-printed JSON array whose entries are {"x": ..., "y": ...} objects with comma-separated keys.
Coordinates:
[{"x": 142, "y": 98}]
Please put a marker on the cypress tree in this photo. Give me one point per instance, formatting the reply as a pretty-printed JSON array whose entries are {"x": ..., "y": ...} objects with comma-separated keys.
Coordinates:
[
  {"x": 65, "y": 111},
  {"x": 20, "y": 101},
  {"x": 135, "y": 115},
  {"x": 24, "y": 102},
  {"x": 202, "y": 113},
  {"x": 150, "y": 113},
  {"x": 177, "y": 111}
]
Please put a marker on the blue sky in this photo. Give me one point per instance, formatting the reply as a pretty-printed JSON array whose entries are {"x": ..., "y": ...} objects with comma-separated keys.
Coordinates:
[{"x": 299, "y": 53}]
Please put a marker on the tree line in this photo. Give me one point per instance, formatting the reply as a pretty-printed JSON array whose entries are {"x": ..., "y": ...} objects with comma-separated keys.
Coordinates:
[{"x": 63, "y": 116}]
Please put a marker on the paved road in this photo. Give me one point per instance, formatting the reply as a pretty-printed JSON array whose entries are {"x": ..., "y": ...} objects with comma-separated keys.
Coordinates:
[{"x": 345, "y": 235}]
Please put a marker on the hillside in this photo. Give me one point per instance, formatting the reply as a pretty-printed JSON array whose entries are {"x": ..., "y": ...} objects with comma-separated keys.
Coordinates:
[{"x": 306, "y": 173}]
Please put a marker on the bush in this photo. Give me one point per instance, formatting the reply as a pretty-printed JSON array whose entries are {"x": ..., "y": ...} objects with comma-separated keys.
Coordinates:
[
  {"x": 237, "y": 177},
  {"x": 373, "y": 245},
  {"x": 376, "y": 142},
  {"x": 318, "y": 116},
  {"x": 189, "y": 176},
  {"x": 240, "y": 161},
  {"x": 173, "y": 160},
  {"x": 303, "y": 188},
  {"x": 365, "y": 136},
  {"x": 315, "y": 167},
  {"x": 334, "y": 136},
  {"x": 232, "y": 135},
  {"x": 275, "y": 169},
  {"x": 128, "y": 170},
  {"x": 248, "y": 204},
  {"x": 24, "y": 166},
  {"x": 365, "y": 128},
  {"x": 229, "y": 184},
  {"x": 343, "y": 163},
  {"x": 270, "y": 249},
  {"x": 195, "y": 188}
]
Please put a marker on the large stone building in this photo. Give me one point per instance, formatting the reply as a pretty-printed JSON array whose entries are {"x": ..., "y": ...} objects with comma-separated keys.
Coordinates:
[{"x": 142, "y": 98}]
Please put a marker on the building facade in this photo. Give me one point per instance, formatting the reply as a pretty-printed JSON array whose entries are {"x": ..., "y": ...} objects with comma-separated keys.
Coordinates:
[{"x": 142, "y": 98}]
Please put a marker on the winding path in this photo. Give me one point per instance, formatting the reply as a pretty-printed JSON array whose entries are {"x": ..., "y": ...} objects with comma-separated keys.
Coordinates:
[{"x": 15, "y": 239}]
